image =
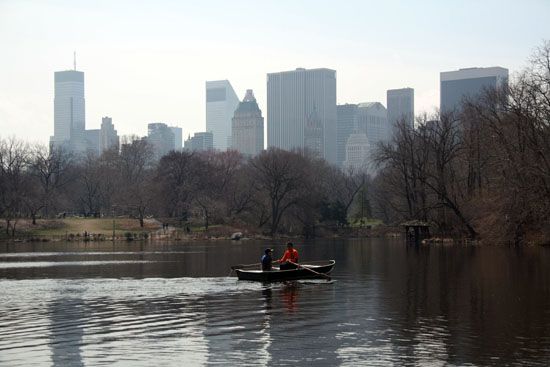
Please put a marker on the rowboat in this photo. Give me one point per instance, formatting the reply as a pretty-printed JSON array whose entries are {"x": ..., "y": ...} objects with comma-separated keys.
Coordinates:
[{"x": 308, "y": 270}]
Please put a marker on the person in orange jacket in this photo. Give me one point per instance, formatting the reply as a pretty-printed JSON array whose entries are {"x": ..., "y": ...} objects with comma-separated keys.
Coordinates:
[{"x": 290, "y": 256}]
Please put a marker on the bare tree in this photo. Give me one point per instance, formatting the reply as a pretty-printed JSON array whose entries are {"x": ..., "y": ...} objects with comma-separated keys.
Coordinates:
[
  {"x": 176, "y": 181},
  {"x": 424, "y": 168},
  {"x": 217, "y": 174},
  {"x": 90, "y": 184},
  {"x": 109, "y": 178},
  {"x": 445, "y": 176},
  {"x": 135, "y": 168},
  {"x": 14, "y": 156},
  {"x": 280, "y": 176},
  {"x": 52, "y": 171},
  {"x": 405, "y": 161},
  {"x": 517, "y": 131}
]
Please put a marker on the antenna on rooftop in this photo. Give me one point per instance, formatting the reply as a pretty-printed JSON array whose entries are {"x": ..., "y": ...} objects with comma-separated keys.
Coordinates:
[{"x": 74, "y": 59}]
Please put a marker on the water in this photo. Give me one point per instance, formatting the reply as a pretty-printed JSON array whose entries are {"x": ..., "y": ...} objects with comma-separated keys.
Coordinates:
[{"x": 174, "y": 304}]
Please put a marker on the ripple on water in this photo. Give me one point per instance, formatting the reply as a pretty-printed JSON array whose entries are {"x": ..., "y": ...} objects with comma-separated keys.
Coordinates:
[
  {"x": 10, "y": 255},
  {"x": 88, "y": 317},
  {"x": 45, "y": 264},
  {"x": 387, "y": 306}
]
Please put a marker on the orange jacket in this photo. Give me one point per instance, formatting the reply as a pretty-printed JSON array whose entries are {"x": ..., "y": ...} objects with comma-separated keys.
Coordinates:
[{"x": 290, "y": 255}]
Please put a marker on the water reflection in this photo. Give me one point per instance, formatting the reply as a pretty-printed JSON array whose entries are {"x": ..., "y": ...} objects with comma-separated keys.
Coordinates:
[
  {"x": 168, "y": 305},
  {"x": 67, "y": 314},
  {"x": 290, "y": 291}
]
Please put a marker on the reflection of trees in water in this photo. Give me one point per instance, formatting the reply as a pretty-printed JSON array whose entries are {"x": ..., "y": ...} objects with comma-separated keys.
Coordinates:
[
  {"x": 457, "y": 304},
  {"x": 403, "y": 315},
  {"x": 302, "y": 317},
  {"x": 409, "y": 305}
]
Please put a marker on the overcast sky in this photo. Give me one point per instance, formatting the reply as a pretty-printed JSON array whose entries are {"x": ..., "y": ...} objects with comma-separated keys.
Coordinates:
[{"x": 148, "y": 61}]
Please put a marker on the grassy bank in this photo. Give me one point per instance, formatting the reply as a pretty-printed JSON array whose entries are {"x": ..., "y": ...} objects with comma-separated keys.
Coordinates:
[
  {"x": 100, "y": 229},
  {"x": 45, "y": 228}
]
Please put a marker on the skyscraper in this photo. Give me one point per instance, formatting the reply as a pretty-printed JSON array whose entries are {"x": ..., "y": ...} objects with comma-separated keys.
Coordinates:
[
  {"x": 221, "y": 102},
  {"x": 292, "y": 97},
  {"x": 247, "y": 134},
  {"x": 470, "y": 82},
  {"x": 108, "y": 137},
  {"x": 373, "y": 120},
  {"x": 347, "y": 115},
  {"x": 177, "y": 137},
  {"x": 400, "y": 103},
  {"x": 202, "y": 141},
  {"x": 69, "y": 111},
  {"x": 161, "y": 138},
  {"x": 92, "y": 141},
  {"x": 358, "y": 153},
  {"x": 314, "y": 135}
]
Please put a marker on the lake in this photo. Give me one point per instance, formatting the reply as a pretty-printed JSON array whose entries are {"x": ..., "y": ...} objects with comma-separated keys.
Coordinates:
[{"x": 137, "y": 304}]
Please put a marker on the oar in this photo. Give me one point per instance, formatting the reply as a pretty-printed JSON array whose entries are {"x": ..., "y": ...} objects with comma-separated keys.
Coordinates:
[
  {"x": 242, "y": 266},
  {"x": 313, "y": 271}
]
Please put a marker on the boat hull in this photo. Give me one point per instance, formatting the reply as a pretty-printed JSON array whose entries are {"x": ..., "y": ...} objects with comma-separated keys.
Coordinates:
[{"x": 284, "y": 275}]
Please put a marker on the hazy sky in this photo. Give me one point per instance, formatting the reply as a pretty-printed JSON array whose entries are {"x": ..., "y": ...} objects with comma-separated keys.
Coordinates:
[{"x": 148, "y": 61}]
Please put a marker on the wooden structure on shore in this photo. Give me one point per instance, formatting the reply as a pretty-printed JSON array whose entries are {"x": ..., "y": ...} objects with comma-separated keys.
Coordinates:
[{"x": 416, "y": 231}]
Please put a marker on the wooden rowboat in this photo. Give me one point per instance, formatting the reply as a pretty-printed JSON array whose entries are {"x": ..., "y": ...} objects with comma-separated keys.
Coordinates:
[{"x": 308, "y": 270}]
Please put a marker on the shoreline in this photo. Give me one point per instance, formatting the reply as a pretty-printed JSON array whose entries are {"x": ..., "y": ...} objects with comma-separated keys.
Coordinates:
[
  {"x": 99, "y": 230},
  {"x": 124, "y": 229}
]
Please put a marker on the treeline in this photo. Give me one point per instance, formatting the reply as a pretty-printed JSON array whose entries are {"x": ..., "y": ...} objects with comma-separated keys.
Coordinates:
[
  {"x": 277, "y": 191},
  {"x": 484, "y": 171}
]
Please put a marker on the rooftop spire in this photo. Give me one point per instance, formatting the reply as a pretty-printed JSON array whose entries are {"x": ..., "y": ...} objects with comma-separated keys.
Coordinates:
[
  {"x": 249, "y": 97},
  {"x": 74, "y": 60}
]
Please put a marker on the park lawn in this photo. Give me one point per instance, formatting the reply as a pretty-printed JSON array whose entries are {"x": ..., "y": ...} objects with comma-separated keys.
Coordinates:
[
  {"x": 367, "y": 222},
  {"x": 104, "y": 226}
]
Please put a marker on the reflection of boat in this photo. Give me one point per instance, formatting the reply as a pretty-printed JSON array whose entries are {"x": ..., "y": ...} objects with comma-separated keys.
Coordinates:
[{"x": 306, "y": 270}]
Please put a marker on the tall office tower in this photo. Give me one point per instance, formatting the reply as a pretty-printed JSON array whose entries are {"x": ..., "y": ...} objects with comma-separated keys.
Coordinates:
[
  {"x": 247, "y": 129},
  {"x": 221, "y": 103},
  {"x": 468, "y": 83},
  {"x": 177, "y": 138},
  {"x": 313, "y": 135},
  {"x": 92, "y": 141},
  {"x": 108, "y": 137},
  {"x": 373, "y": 120},
  {"x": 202, "y": 141},
  {"x": 358, "y": 153},
  {"x": 291, "y": 98},
  {"x": 69, "y": 111},
  {"x": 161, "y": 138},
  {"x": 400, "y": 103},
  {"x": 346, "y": 123}
]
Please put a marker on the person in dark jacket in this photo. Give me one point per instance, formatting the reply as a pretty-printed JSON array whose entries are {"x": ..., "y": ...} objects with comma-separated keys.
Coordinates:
[{"x": 267, "y": 260}]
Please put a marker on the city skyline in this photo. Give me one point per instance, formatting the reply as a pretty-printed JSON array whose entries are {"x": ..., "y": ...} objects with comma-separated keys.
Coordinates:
[{"x": 139, "y": 76}]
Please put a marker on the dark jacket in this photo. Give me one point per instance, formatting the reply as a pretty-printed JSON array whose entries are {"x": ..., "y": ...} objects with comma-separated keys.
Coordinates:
[{"x": 266, "y": 262}]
